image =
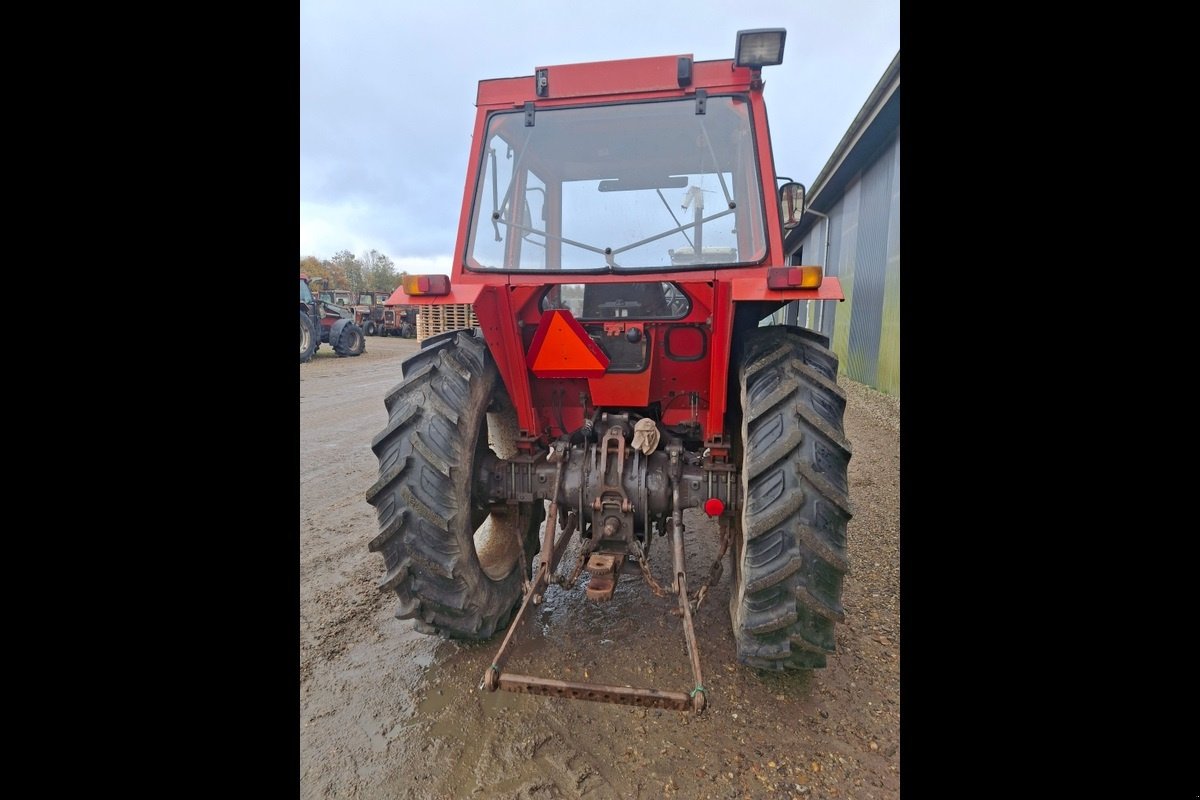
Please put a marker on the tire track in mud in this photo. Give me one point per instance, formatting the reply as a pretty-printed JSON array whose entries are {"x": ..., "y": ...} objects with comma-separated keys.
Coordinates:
[{"x": 338, "y": 627}]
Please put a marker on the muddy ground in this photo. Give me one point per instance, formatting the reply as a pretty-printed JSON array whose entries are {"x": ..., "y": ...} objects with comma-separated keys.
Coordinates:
[{"x": 386, "y": 712}]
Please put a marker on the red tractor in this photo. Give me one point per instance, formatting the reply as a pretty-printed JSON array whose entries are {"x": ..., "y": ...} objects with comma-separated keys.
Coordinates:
[
  {"x": 368, "y": 311},
  {"x": 621, "y": 239},
  {"x": 399, "y": 320},
  {"x": 330, "y": 323},
  {"x": 376, "y": 319}
]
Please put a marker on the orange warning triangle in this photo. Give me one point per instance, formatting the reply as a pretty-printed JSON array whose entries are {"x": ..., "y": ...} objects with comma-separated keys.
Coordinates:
[{"x": 561, "y": 348}]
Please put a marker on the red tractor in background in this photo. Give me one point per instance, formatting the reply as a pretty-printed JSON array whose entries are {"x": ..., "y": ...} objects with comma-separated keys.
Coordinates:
[
  {"x": 368, "y": 311},
  {"x": 399, "y": 321},
  {"x": 325, "y": 322},
  {"x": 621, "y": 239},
  {"x": 377, "y": 319}
]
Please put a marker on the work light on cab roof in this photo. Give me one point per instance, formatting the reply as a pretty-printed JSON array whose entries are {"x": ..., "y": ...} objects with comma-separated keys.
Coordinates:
[{"x": 758, "y": 48}]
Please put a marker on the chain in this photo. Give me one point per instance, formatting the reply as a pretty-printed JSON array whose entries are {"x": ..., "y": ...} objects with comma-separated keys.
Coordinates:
[
  {"x": 569, "y": 583},
  {"x": 552, "y": 518},
  {"x": 519, "y": 533},
  {"x": 714, "y": 574},
  {"x": 644, "y": 563},
  {"x": 697, "y": 597}
]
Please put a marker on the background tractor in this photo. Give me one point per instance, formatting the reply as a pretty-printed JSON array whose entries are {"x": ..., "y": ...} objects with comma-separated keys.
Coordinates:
[
  {"x": 622, "y": 238},
  {"x": 368, "y": 311},
  {"x": 334, "y": 297},
  {"x": 325, "y": 322},
  {"x": 398, "y": 320}
]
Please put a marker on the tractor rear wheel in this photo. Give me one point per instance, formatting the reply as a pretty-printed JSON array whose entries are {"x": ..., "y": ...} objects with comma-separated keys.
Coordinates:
[
  {"x": 308, "y": 338},
  {"x": 453, "y": 560},
  {"x": 789, "y": 556},
  {"x": 347, "y": 339},
  {"x": 369, "y": 327}
]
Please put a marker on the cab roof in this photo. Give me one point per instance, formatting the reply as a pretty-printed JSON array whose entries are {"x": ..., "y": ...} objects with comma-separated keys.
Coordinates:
[{"x": 675, "y": 75}]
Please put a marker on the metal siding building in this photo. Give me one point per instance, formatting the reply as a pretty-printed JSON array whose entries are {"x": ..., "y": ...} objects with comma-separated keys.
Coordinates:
[{"x": 852, "y": 228}]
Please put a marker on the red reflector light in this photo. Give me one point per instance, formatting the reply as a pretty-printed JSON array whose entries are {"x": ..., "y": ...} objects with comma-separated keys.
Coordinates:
[
  {"x": 713, "y": 507},
  {"x": 414, "y": 285}
]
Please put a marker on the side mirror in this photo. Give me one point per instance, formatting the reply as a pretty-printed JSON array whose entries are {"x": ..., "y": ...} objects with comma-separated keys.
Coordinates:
[{"x": 791, "y": 204}]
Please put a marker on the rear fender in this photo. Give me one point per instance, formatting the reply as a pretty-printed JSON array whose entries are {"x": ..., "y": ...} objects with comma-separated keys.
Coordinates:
[{"x": 335, "y": 332}]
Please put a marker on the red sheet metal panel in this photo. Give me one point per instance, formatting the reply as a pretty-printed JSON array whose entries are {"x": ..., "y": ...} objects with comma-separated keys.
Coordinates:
[
  {"x": 459, "y": 293},
  {"x": 756, "y": 289},
  {"x": 627, "y": 75},
  {"x": 622, "y": 77}
]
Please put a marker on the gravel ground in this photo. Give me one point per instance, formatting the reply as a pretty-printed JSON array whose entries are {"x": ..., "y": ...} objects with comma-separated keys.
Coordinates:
[{"x": 386, "y": 712}]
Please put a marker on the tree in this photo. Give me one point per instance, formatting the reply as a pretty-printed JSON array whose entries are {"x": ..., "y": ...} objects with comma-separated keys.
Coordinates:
[
  {"x": 381, "y": 273},
  {"x": 373, "y": 271},
  {"x": 350, "y": 271},
  {"x": 333, "y": 274},
  {"x": 311, "y": 266}
]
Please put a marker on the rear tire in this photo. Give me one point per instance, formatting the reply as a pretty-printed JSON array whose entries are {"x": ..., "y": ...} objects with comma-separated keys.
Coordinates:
[
  {"x": 369, "y": 328},
  {"x": 308, "y": 338},
  {"x": 347, "y": 339},
  {"x": 452, "y": 560},
  {"x": 789, "y": 556}
]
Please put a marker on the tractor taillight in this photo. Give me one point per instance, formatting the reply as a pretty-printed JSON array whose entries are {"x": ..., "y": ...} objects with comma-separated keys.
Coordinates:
[
  {"x": 414, "y": 285},
  {"x": 795, "y": 277}
]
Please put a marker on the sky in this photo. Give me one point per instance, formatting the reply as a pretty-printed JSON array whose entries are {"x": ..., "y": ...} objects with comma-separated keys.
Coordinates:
[{"x": 387, "y": 95}]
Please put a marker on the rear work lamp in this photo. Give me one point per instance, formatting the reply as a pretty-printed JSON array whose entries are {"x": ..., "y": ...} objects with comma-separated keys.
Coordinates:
[{"x": 760, "y": 47}]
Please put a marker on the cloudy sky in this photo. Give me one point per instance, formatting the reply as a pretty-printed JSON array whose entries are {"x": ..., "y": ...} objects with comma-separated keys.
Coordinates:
[{"x": 387, "y": 94}]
